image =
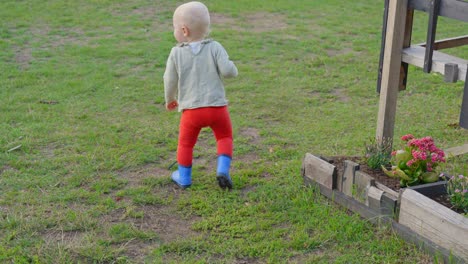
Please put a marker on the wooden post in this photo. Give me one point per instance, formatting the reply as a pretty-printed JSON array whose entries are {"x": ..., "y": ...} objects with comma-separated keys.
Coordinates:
[
  {"x": 406, "y": 44},
  {"x": 382, "y": 45},
  {"x": 464, "y": 108},
  {"x": 431, "y": 32},
  {"x": 397, "y": 11}
]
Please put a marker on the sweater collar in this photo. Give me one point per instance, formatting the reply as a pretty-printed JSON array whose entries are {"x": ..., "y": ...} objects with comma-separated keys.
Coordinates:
[{"x": 182, "y": 44}]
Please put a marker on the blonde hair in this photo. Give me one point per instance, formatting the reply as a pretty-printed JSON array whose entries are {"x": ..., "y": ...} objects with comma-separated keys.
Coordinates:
[{"x": 195, "y": 16}]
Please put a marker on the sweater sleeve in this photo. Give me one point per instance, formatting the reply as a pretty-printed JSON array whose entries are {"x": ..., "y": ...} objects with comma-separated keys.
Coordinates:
[
  {"x": 226, "y": 67},
  {"x": 171, "y": 79}
]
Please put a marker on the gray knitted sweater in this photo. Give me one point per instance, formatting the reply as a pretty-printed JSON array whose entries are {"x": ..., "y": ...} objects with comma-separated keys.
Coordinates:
[{"x": 195, "y": 80}]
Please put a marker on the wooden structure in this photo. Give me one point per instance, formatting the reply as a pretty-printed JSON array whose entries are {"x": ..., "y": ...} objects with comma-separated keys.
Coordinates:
[
  {"x": 434, "y": 222},
  {"x": 411, "y": 213},
  {"x": 397, "y": 52}
]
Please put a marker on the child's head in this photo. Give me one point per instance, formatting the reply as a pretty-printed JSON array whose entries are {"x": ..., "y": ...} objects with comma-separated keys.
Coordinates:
[{"x": 191, "y": 22}]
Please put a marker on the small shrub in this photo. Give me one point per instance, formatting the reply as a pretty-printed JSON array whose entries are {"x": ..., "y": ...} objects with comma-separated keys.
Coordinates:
[
  {"x": 457, "y": 189},
  {"x": 378, "y": 153}
]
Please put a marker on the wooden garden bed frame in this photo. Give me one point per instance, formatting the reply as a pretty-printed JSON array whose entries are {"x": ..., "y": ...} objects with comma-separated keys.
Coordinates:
[
  {"x": 413, "y": 216},
  {"x": 397, "y": 52}
]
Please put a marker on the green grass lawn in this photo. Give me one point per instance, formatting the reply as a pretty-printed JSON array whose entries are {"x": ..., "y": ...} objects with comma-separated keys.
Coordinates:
[{"x": 85, "y": 141}]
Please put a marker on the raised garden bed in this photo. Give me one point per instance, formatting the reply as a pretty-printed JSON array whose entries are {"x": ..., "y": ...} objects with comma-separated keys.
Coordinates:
[{"x": 412, "y": 212}]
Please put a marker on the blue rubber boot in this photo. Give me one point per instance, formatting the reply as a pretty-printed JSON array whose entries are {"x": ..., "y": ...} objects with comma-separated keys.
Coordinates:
[
  {"x": 182, "y": 177},
  {"x": 222, "y": 172}
]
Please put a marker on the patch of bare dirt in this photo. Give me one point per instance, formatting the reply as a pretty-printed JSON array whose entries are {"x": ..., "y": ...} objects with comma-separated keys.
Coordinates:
[
  {"x": 251, "y": 134},
  {"x": 264, "y": 22},
  {"x": 341, "y": 95},
  {"x": 164, "y": 221},
  {"x": 254, "y": 22},
  {"x": 64, "y": 238},
  {"x": 334, "y": 52},
  {"x": 23, "y": 57},
  {"x": 6, "y": 168}
]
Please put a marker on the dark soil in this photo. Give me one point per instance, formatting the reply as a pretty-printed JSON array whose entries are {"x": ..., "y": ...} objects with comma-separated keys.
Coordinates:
[{"x": 381, "y": 177}]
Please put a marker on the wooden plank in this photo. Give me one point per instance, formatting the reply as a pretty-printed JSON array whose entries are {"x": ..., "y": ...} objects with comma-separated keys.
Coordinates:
[
  {"x": 362, "y": 183},
  {"x": 374, "y": 196},
  {"x": 318, "y": 170},
  {"x": 455, "y": 9},
  {"x": 353, "y": 205},
  {"x": 431, "y": 189},
  {"x": 449, "y": 43},
  {"x": 456, "y": 151},
  {"x": 384, "y": 188},
  {"x": 388, "y": 205},
  {"x": 382, "y": 45},
  {"x": 451, "y": 72},
  {"x": 376, "y": 218},
  {"x": 397, "y": 10},
  {"x": 464, "y": 107},
  {"x": 426, "y": 245},
  {"x": 434, "y": 222},
  {"x": 406, "y": 43},
  {"x": 415, "y": 55},
  {"x": 347, "y": 181},
  {"x": 431, "y": 31}
]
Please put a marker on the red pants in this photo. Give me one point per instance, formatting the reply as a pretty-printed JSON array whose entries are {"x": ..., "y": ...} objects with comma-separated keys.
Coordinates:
[{"x": 193, "y": 120}]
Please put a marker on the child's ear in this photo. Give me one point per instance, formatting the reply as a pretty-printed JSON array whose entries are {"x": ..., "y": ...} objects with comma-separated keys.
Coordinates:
[{"x": 185, "y": 30}]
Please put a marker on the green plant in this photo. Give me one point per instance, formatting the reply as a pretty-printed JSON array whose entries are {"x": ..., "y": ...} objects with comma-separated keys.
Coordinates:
[
  {"x": 457, "y": 189},
  {"x": 378, "y": 153},
  {"x": 416, "y": 162}
]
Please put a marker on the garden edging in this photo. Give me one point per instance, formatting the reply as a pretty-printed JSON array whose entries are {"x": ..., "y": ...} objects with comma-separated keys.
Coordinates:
[{"x": 415, "y": 217}]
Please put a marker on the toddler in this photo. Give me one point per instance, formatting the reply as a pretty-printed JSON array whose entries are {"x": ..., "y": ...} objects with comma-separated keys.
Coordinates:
[{"x": 193, "y": 84}]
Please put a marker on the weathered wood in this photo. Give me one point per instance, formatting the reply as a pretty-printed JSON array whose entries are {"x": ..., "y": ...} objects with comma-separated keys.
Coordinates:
[
  {"x": 339, "y": 181},
  {"x": 388, "y": 205},
  {"x": 431, "y": 189},
  {"x": 384, "y": 188},
  {"x": 347, "y": 180},
  {"x": 451, "y": 72},
  {"x": 455, "y": 9},
  {"x": 406, "y": 43},
  {"x": 391, "y": 68},
  {"x": 431, "y": 32},
  {"x": 464, "y": 106},
  {"x": 362, "y": 183},
  {"x": 353, "y": 205},
  {"x": 426, "y": 245},
  {"x": 415, "y": 55},
  {"x": 374, "y": 196},
  {"x": 434, "y": 222},
  {"x": 320, "y": 171},
  {"x": 448, "y": 43},
  {"x": 456, "y": 151},
  {"x": 382, "y": 202},
  {"x": 382, "y": 45}
]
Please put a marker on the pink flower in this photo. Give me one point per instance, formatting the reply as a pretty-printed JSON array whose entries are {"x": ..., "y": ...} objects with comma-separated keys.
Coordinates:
[
  {"x": 407, "y": 137},
  {"x": 429, "y": 166},
  {"x": 465, "y": 191},
  {"x": 461, "y": 176},
  {"x": 457, "y": 190}
]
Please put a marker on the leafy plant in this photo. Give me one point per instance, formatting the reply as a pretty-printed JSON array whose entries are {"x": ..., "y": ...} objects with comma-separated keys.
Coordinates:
[
  {"x": 416, "y": 162},
  {"x": 457, "y": 189},
  {"x": 378, "y": 153}
]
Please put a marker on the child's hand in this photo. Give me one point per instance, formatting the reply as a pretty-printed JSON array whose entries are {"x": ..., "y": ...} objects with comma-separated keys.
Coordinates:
[{"x": 172, "y": 105}]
